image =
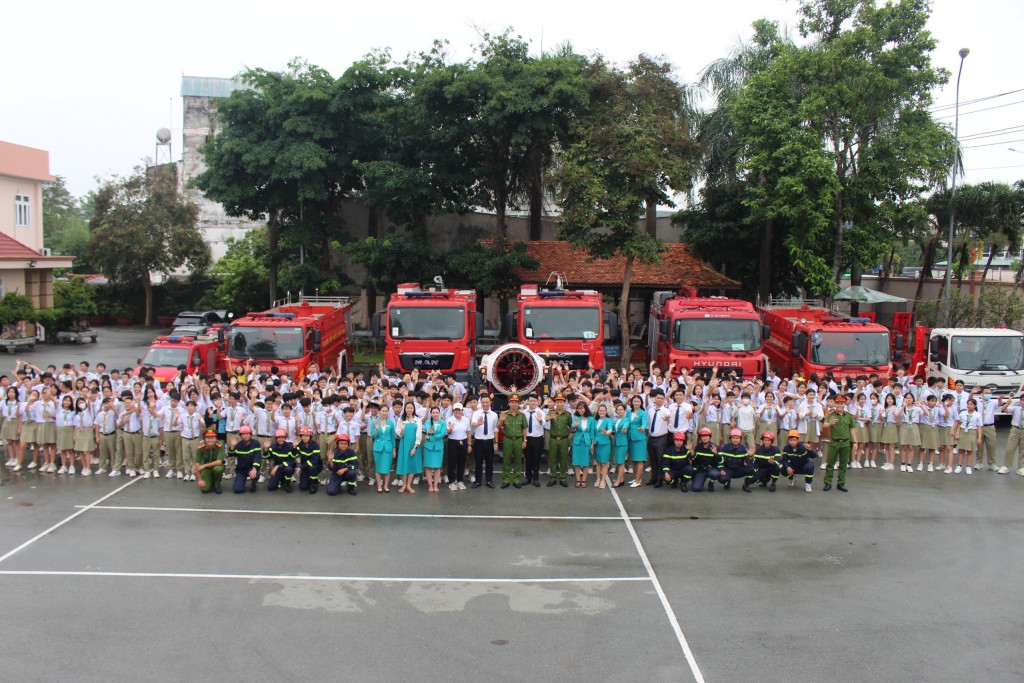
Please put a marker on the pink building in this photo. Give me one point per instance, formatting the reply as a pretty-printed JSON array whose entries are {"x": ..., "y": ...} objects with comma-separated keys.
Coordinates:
[{"x": 25, "y": 266}]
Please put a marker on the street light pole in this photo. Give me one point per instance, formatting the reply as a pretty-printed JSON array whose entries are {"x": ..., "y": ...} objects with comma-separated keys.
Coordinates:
[{"x": 948, "y": 295}]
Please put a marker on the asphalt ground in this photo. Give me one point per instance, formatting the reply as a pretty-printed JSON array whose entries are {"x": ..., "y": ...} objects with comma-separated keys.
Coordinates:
[{"x": 906, "y": 577}]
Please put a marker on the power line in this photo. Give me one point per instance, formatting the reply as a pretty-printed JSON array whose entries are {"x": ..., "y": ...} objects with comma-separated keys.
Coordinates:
[
  {"x": 940, "y": 107},
  {"x": 993, "y": 144},
  {"x": 995, "y": 133},
  {"x": 976, "y": 111},
  {"x": 992, "y": 168}
]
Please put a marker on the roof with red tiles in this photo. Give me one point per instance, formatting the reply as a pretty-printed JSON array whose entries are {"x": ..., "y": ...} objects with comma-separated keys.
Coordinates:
[
  {"x": 678, "y": 267},
  {"x": 13, "y": 250}
]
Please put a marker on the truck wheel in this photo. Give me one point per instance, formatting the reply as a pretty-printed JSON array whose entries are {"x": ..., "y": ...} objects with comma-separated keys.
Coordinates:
[{"x": 474, "y": 375}]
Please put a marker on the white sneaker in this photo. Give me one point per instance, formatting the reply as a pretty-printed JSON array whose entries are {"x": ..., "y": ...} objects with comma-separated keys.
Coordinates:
[
  {"x": 823, "y": 465},
  {"x": 156, "y": 474},
  {"x": 930, "y": 468},
  {"x": 395, "y": 482},
  {"x": 453, "y": 487},
  {"x": 360, "y": 477},
  {"x": 873, "y": 464},
  {"x": 903, "y": 468},
  {"x": 130, "y": 472},
  {"x": 71, "y": 470},
  {"x": 101, "y": 471},
  {"x": 836, "y": 466},
  {"x": 263, "y": 479},
  {"x": 807, "y": 488},
  {"x": 180, "y": 475},
  {"x": 17, "y": 468},
  {"x": 958, "y": 470},
  {"x": 462, "y": 486},
  {"x": 1003, "y": 470},
  {"x": 444, "y": 478},
  {"x": 228, "y": 475},
  {"x": 949, "y": 470},
  {"x": 32, "y": 465},
  {"x": 910, "y": 469},
  {"x": 968, "y": 470},
  {"x": 634, "y": 484},
  {"x": 62, "y": 470},
  {"x": 920, "y": 466},
  {"x": 146, "y": 475},
  {"x": 1020, "y": 471},
  {"x": 792, "y": 482},
  {"x": 115, "y": 473},
  {"x": 416, "y": 481},
  {"x": 9, "y": 463},
  {"x": 981, "y": 467},
  {"x": 86, "y": 472}
]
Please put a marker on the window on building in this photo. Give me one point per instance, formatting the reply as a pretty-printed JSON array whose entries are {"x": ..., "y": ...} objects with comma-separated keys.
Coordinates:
[{"x": 22, "y": 211}]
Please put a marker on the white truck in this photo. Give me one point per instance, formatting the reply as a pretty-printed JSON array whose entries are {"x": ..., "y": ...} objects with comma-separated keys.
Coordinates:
[{"x": 980, "y": 357}]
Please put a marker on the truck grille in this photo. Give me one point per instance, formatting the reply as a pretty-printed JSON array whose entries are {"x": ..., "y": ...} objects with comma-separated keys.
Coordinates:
[{"x": 427, "y": 361}]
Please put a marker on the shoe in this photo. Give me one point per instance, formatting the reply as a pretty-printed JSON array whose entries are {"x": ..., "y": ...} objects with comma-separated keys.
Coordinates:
[
  {"x": 17, "y": 468},
  {"x": 416, "y": 481},
  {"x": 228, "y": 475},
  {"x": 873, "y": 464},
  {"x": 9, "y": 463},
  {"x": 263, "y": 479},
  {"x": 314, "y": 486},
  {"x": 682, "y": 487},
  {"x": 1003, "y": 470},
  {"x": 490, "y": 485},
  {"x": 32, "y": 465},
  {"x": 746, "y": 488},
  {"x": 444, "y": 478},
  {"x": 711, "y": 487},
  {"x": 62, "y": 470},
  {"x": 958, "y": 469},
  {"x": 191, "y": 477},
  {"x": 552, "y": 482},
  {"x": 505, "y": 485},
  {"x": 842, "y": 487},
  {"x": 968, "y": 470},
  {"x": 462, "y": 486},
  {"x": 101, "y": 471},
  {"x": 146, "y": 475},
  {"x": 472, "y": 479},
  {"x": 980, "y": 468},
  {"x": 903, "y": 468},
  {"x": 792, "y": 482},
  {"x": 564, "y": 484},
  {"x": 949, "y": 470},
  {"x": 130, "y": 472},
  {"x": 635, "y": 484},
  {"x": 763, "y": 484},
  {"x": 910, "y": 469},
  {"x": 156, "y": 474},
  {"x": 115, "y": 473},
  {"x": 1020, "y": 471},
  {"x": 826, "y": 487},
  {"x": 218, "y": 491},
  {"x": 287, "y": 487},
  {"x": 930, "y": 468},
  {"x": 823, "y": 465},
  {"x": 86, "y": 472},
  {"x": 807, "y": 488},
  {"x": 518, "y": 485},
  {"x": 352, "y": 490},
  {"x": 772, "y": 488},
  {"x": 476, "y": 485},
  {"x": 536, "y": 481},
  {"x": 252, "y": 486},
  {"x": 658, "y": 484},
  {"x": 836, "y": 466},
  {"x": 453, "y": 487},
  {"x": 395, "y": 482},
  {"x": 181, "y": 475}
]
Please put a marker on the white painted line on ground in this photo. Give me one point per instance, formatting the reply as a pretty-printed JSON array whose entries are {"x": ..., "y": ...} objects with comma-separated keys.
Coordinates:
[
  {"x": 687, "y": 652},
  {"x": 319, "y": 513},
  {"x": 294, "y": 577},
  {"x": 82, "y": 509}
]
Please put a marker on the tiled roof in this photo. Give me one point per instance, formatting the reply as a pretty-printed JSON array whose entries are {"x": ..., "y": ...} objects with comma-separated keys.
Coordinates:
[
  {"x": 13, "y": 250},
  {"x": 678, "y": 267}
]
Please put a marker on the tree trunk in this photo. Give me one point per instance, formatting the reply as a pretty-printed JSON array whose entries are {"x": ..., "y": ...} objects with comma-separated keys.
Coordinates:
[
  {"x": 926, "y": 267},
  {"x": 887, "y": 271},
  {"x": 856, "y": 275},
  {"x": 764, "y": 286},
  {"x": 272, "y": 230},
  {"x": 963, "y": 256},
  {"x": 536, "y": 197},
  {"x": 147, "y": 288},
  {"x": 372, "y": 230},
  {"x": 627, "y": 346},
  {"x": 500, "y": 224},
  {"x": 984, "y": 272},
  {"x": 651, "y": 218}
]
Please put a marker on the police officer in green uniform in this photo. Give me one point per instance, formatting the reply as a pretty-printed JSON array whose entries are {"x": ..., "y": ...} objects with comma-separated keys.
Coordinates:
[
  {"x": 842, "y": 424},
  {"x": 559, "y": 421},
  {"x": 513, "y": 425},
  {"x": 210, "y": 463}
]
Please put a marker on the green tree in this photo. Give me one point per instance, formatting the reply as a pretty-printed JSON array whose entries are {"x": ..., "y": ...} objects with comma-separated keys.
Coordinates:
[
  {"x": 392, "y": 260},
  {"x": 241, "y": 275},
  {"x": 489, "y": 269},
  {"x": 15, "y": 309},
  {"x": 630, "y": 152},
  {"x": 73, "y": 300},
  {"x": 141, "y": 225},
  {"x": 65, "y": 231}
]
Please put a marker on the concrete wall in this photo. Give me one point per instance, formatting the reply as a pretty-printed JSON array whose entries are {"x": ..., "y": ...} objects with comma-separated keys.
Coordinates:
[{"x": 32, "y": 236}]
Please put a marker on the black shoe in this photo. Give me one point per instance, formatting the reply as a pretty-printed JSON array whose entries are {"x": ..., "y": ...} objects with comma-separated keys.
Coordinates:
[
  {"x": 217, "y": 491},
  {"x": 682, "y": 486},
  {"x": 313, "y": 486},
  {"x": 252, "y": 486},
  {"x": 826, "y": 487},
  {"x": 476, "y": 485},
  {"x": 564, "y": 484},
  {"x": 842, "y": 488},
  {"x": 490, "y": 485},
  {"x": 536, "y": 481},
  {"x": 746, "y": 488},
  {"x": 711, "y": 487},
  {"x": 653, "y": 482},
  {"x": 763, "y": 484},
  {"x": 727, "y": 485},
  {"x": 517, "y": 485},
  {"x": 658, "y": 484},
  {"x": 772, "y": 487},
  {"x": 288, "y": 487},
  {"x": 505, "y": 485},
  {"x": 551, "y": 483},
  {"x": 352, "y": 490}
]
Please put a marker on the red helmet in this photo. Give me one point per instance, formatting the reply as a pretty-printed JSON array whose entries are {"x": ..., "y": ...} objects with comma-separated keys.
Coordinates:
[
  {"x": 280, "y": 432},
  {"x": 704, "y": 432},
  {"x": 245, "y": 429},
  {"x": 306, "y": 431},
  {"x": 735, "y": 432},
  {"x": 768, "y": 435},
  {"x": 679, "y": 436}
]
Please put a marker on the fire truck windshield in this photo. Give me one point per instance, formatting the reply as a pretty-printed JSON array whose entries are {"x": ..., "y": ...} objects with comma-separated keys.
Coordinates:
[
  {"x": 446, "y": 322},
  {"x": 165, "y": 357},
  {"x": 850, "y": 348},
  {"x": 265, "y": 343},
  {"x": 988, "y": 353},
  {"x": 708, "y": 334},
  {"x": 561, "y": 322}
]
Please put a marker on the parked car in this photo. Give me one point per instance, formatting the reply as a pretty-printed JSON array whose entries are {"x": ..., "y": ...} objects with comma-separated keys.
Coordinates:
[
  {"x": 191, "y": 331},
  {"x": 202, "y": 318}
]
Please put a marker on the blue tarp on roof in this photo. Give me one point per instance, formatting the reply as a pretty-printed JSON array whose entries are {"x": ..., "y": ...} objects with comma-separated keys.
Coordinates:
[{"x": 199, "y": 86}]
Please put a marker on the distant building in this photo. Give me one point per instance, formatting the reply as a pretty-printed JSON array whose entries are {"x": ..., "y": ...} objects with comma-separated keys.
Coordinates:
[
  {"x": 199, "y": 103},
  {"x": 25, "y": 266}
]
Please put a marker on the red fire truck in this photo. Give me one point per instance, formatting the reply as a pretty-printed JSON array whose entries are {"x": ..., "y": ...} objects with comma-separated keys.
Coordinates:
[
  {"x": 168, "y": 353},
  {"x": 291, "y": 335},
  {"x": 569, "y": 327},
  {"x": 701, "y": 333},
  {"x": 812, "y": 339},
  {"x": 431, "y": 329}
]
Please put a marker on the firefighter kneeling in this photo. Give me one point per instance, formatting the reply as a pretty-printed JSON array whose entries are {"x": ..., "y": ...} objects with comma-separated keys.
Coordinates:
[
  {"x": 736, "y": 461},
  {"x": 797, "y": 459},
  {"x": 344, "y": 462},
  {"x": 676, "y": 467},
  {"x": 766, "y": 465},
  {"x": 707, "y": 464}
]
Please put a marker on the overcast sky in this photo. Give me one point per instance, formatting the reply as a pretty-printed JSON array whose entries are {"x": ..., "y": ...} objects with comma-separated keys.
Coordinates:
[{"x": 92, "y": 81}]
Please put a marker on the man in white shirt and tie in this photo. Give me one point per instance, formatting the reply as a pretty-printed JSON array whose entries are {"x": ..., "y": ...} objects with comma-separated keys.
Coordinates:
[
  {"x": 485, "y": 426},
  {"x": 657, "y": 440},
  {"x": 535, "y": 416}
]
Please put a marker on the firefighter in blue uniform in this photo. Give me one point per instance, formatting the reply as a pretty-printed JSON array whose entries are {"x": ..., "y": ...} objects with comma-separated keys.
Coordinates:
[
  {"x": 766, "y": 462},
  {"x": 343, "y": 464},
  {"x": 281, "y": 455},
  {"x": 675, "y": 461},
  {"x": 248, "y": 459},
  {"x": 797, "y": 459},
  {"x": 311, "y": 464},
  {"x": 735, "y": 461},
  {"x": 707, "y": 463}
]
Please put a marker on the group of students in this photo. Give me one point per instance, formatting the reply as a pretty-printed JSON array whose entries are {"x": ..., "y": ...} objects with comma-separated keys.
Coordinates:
[{"x": 391, "y": 430}]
